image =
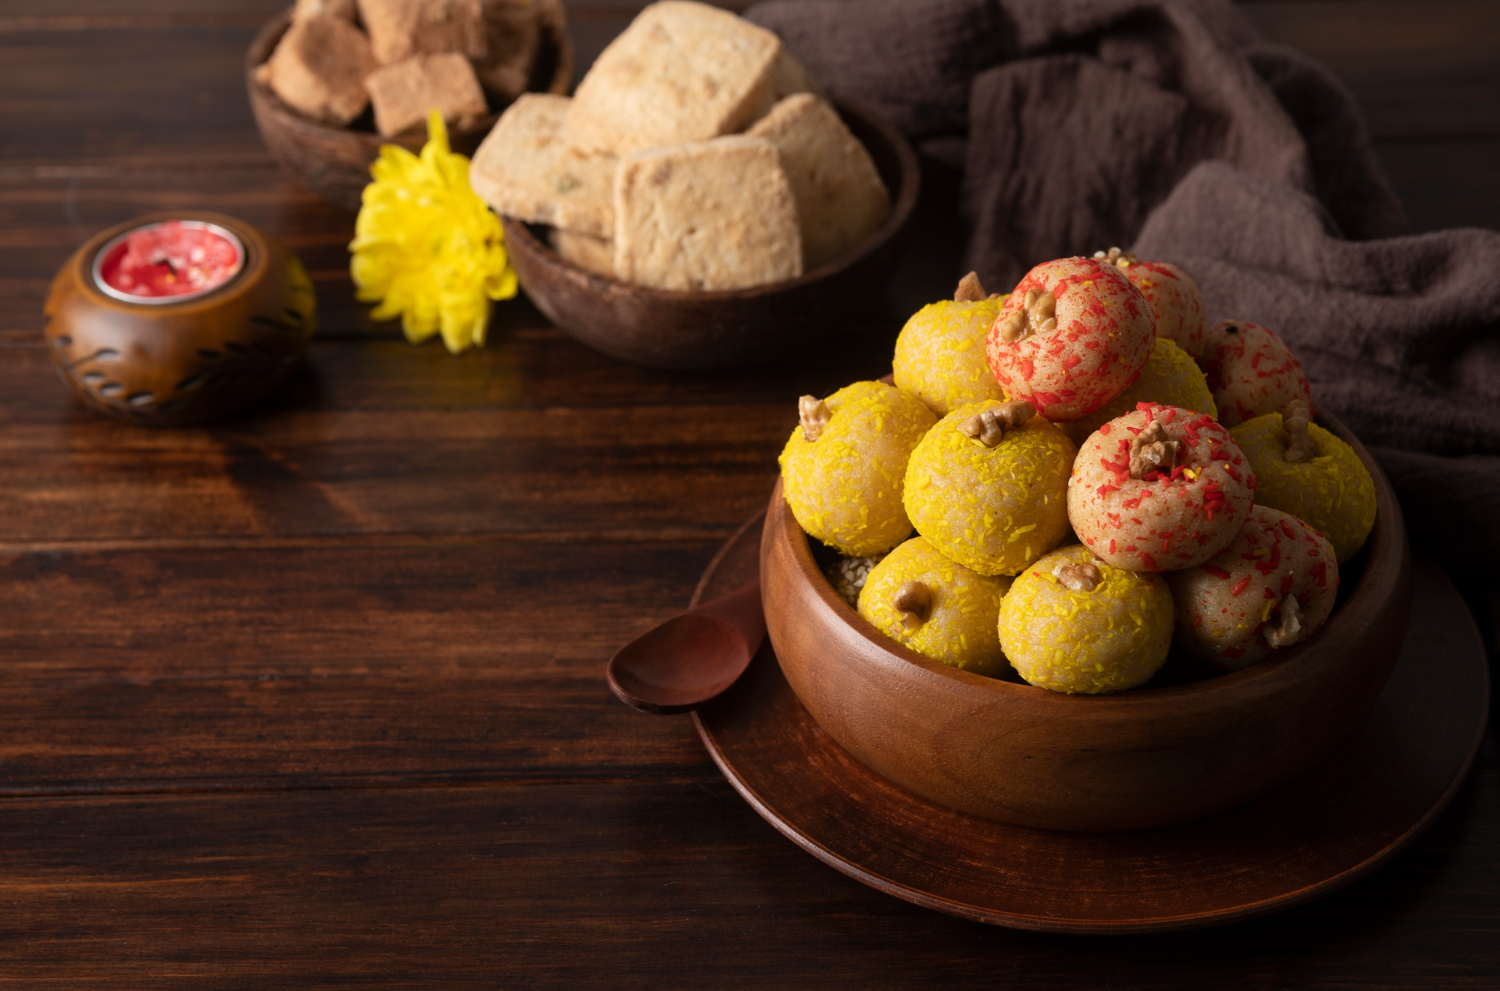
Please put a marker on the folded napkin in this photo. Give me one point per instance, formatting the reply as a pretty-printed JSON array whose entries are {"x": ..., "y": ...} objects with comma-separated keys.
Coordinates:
[{"x": 1171, "y": 127}]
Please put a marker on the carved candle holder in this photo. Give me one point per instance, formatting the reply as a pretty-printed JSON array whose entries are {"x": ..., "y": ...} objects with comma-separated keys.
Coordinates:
[{"x": 177, "y": 319}]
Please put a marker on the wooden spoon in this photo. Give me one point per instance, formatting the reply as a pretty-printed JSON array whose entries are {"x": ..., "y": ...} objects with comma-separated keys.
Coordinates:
[{"x": 691, "y": 658}]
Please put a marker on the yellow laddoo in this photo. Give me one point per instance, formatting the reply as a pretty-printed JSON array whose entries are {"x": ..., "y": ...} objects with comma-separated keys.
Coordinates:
[
  {"x": 843, "y": 466},
  {"x": 1332, "y": 491},
  {"x": 938, "y": 608},
  {"x": 940, "y": 355},
  {"x": 1072, "y": 623},
  {"x": 993, "y": 509},
  {"x": 1171, "y": 378}
]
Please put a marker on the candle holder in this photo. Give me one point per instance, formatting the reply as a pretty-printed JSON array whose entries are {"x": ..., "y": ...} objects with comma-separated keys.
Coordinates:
[{"x": 177, "y": 319}]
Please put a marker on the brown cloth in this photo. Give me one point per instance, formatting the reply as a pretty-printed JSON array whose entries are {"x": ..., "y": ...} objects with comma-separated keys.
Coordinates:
[{"x": 1169, "y": 126}]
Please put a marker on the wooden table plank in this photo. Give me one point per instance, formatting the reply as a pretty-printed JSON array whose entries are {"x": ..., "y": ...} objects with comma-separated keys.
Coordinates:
[
  {"x": 276, "y": 667},
  {"x": 644, "y": 884}
]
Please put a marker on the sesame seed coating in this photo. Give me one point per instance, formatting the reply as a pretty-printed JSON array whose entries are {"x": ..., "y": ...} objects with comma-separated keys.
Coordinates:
[
  {"x": 940, "y": 354},
  {"x": 960, "y": 630},
  {"x": 1333, "y": 491},
  {"x": 991, "y": 509},
  {"x": 1107, "y": 639},
  {"x": 1224, "y": 606},
  {"x": 1170, "y": 378},
  {"x": 1176, "y": 517},
  {"x": 1251, "y": 372},
  {"x": 845, "y": 487},
  {"x": 1101, "y": 341}
]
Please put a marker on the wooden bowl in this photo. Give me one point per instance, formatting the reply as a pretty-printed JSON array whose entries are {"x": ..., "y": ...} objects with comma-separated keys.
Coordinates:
[
  {"x": 181, "y": 362},
  {"x": 334, "y": 162},
  {"x": 729, "y": 329},
  {"x": 1032, "y": 757}
]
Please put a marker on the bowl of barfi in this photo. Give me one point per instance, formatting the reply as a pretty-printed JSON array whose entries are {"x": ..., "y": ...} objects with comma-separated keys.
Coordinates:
[
  {"x": 1084, "y": 561},
  {"x": 330, "y": 81},
  {"x": 699, "y": 202}
]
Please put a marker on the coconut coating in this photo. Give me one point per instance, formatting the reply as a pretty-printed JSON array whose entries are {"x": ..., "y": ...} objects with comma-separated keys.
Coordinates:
[
  {"x": 940, "y": 354},
  {"x": 1226, "y": 606},
  {"x": 1332, "y": 491},
  {"x": 1099, "y": 346},
  {"x": 959, "y": 629},
  {"x": 845, "y": 487},
  {"x": 1175, "y": 302},
  {"x": 1251, "y": 372},
  {"x": 1107, "y": 639},
  {"x": 1164, "y": 519},
  {"x": 992, "y": 509},
  {"x": 1171, "y": 378}
]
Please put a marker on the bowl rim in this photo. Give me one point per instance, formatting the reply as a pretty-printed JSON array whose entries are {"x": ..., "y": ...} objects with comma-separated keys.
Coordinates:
[
  {"x": 1386, "y": 549},
  {"x": 264, "y": 44},
  {"x": 903, "y": 203}
]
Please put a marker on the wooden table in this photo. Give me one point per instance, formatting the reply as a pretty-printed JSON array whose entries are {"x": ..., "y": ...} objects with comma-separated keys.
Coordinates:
[{"x": 316, "y": 695}]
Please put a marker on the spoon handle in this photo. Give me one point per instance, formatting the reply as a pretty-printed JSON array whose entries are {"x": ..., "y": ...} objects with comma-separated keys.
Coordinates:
[{"x": 742, "y": 610}]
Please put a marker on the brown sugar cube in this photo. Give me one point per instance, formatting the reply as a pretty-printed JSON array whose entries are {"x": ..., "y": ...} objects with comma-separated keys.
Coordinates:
[
  {"x": 400, "y": 29},
  {"x": 681, "y": 72},
  {"x": 344, "y": 9},
  {"x": 711, "y": 215},
  {"x": 319, "y": 69},
  {"x": 596, "y": 254},
  {"x": 404, "y": 92},
  {"x": 525, "y": 169},
  {"x": 840, "y": 198},
  {"x": 512, "y": 38}
]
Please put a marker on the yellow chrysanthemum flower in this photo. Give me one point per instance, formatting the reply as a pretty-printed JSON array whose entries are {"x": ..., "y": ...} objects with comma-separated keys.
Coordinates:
[{"x": 426, "y": 248}]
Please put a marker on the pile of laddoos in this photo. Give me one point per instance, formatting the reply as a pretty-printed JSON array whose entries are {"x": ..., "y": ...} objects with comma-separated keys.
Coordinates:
[
  {"x": 412, "y": 56},
  {"x": 695, "y": 155},
  {"x": 1092, "y": 471}
]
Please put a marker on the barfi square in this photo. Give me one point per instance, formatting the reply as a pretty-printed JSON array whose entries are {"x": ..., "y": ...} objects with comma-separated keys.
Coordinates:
[{"x": 403, "y": 93}]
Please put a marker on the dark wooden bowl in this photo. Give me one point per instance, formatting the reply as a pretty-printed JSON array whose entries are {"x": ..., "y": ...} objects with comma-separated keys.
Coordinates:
[
  {"x": 1142, "y": 758},
  {"x": 186, "y": 362},
  {"x": 735, "y": 328},
  {"x": 334, "y": 162}
]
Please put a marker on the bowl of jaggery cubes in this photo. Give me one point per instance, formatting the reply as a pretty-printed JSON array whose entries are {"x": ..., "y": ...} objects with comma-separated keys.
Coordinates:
[
  {"x": 330, "y": 81},
  {"x": 1084, "y": 561},
  {"x": 699, "y": 202}
]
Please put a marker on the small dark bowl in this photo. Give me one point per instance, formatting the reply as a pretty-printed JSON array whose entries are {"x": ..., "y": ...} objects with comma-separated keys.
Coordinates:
[
  {"x": 334, "y": 162},
  {"x": 734, "y": 328},
  {"x": 1142, "y": 758}
]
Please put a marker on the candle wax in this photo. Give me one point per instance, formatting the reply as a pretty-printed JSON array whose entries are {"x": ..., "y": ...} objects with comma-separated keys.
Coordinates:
[{"x": 170, "y": 259}]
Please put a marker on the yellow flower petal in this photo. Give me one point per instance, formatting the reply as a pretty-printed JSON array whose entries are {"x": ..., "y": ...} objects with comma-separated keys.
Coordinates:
[{"x": 426, "y": 248}]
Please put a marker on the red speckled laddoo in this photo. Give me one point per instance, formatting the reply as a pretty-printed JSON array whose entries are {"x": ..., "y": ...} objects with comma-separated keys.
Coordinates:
[
  {"x": 1159, "y": 488},
  {"x": 1072, "y": 336},
  {"x": 1251, "y": 372},
  {"x": 1174, "y": 297},
  {"x": 1273, "y": 586}
]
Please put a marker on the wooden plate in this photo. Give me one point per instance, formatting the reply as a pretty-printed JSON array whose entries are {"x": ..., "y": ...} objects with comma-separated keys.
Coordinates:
[{"x": 1335, "y": 823}]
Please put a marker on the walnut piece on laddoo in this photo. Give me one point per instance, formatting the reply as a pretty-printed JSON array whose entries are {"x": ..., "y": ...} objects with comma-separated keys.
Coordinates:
[
  {"x": 940, "y": 353},
  {"x": 922, "y": 599},
  {"x": 1328, "y": 487},
  {"x": 1273, "y": 586},
  {"x": 1073, "y": 335},
  {"x": 1251, "y": 371},
  {"x": 1159, "y": 488},
  {"x": 1073, "y": 623},
  {"x": 988, "y": 485},
  {"x": 1170, "y": 378},
  {"x": 843, "y": 466}
]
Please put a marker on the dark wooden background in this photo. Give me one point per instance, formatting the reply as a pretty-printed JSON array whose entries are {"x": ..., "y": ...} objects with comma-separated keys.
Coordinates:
[{"x": 316, "y": 695}]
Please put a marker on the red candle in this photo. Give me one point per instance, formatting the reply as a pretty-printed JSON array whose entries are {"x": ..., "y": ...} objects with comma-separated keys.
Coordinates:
[{"x": 168, "y": 262}]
